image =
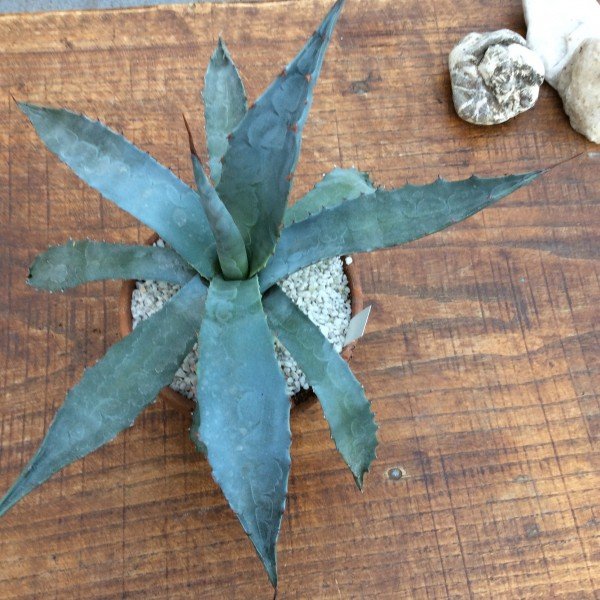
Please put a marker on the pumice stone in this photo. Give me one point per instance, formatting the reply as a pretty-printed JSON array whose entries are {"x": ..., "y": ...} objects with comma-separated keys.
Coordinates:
[
  {"x": 579, "y": 87},
  {"x": 494, "y": 77},
  {"x": 556, "y": 29},
  {"x": 566, "y": 35}
]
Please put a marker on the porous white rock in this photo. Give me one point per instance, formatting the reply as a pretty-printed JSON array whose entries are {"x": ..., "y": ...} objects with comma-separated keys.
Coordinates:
[
  {"x": 566, "y": 35},
  {"x": 579, "y": 87},
  {"x": 556, "y": 29},
  {"x": 494, "y": 77},
  {"x": 321, "y": 291}
]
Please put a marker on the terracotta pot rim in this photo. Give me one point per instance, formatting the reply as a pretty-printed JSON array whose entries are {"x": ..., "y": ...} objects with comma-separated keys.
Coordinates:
[{"x": 184, "y": 404}]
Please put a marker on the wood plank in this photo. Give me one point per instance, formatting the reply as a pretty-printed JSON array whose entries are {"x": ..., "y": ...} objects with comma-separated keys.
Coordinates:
[{"x": 481, "y": 356}]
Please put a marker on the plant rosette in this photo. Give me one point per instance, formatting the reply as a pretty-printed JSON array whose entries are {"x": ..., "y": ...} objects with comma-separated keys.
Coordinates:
[
  {"x": 184, "y": 403},
  {"x": 230, "y": 240}
]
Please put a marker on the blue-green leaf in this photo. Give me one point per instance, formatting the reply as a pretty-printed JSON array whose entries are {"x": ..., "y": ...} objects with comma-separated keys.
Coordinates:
[
  {"x": 231, "y": 250},
  {"x": 384, "y": 219},
  {"x": 343, "y": 399},
  {"x": 115, "y": 390},
  {"x": 75, "y": 263},
  {"x": 338, "y": 185},
  {"x": 195, "y": 429},
  {"x": 224, "y": 105},
  {"x": 244, "y": 411},
  {"x": 131, "y": 179},
  {"x": 264, "y": 148}
]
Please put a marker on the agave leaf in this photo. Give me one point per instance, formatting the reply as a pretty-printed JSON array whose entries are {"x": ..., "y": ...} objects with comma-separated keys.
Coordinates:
[
  {"x": 245, "y": 412},
  {"x": 230, "y": 245},
  {"x": 342, "y": 397},
  {"x": 131, "y": 179},
  {"x": 195, "y": 430},
  {"x": 224, "y": 105},
  {"x": 338, "y": 185},
  {"x": 112, "y": 393},
  {"x": 264, "y": 148},
  {"x": 75, "y": 263},
  {"x": 384, "y": 219}
]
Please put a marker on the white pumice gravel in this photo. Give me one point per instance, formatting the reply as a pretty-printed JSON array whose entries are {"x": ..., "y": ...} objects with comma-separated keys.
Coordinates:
[{"x": 321, "y": 291}]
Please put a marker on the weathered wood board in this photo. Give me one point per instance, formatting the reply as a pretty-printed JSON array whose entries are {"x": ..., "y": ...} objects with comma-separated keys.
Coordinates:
[{"x": 481, "y": 357}]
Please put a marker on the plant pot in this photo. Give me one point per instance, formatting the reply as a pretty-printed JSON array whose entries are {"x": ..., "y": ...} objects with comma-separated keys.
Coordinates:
[{"x": 186, "y": 405}]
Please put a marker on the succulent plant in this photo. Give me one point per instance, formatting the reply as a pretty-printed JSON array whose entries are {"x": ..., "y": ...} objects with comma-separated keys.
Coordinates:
[{"x": 229, "y": 242}]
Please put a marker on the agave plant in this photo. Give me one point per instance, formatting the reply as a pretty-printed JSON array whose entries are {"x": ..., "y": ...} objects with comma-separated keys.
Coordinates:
[{"x": 229, "y": 242}]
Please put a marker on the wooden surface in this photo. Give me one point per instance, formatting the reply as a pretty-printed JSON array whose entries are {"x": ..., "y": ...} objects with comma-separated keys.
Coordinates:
[{"x": 481, "y": 357}]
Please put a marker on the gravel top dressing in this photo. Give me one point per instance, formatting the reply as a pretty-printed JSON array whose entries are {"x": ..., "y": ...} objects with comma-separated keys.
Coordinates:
[{"x": 321, "y": 291}]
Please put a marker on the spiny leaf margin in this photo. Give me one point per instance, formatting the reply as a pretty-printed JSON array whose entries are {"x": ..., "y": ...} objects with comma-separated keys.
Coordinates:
[
  {"x": 264, "y": 148},
  {"x": 225, "y": 105},
  {"x": 112, "y": 393},
  {"x": 383, "y": 219},
  {"x": 244, "y": 412},
  {"x": 231, "y": 250},
  {"x": 130, "y": 178},
  {"x": 78, "y": 262},
  {"x": 342, "y": 397},
  {"x": 336, "y": 186}
]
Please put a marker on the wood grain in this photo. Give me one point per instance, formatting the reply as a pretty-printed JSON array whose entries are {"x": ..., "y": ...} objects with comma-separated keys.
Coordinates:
[{"x": 481, "y": 357}]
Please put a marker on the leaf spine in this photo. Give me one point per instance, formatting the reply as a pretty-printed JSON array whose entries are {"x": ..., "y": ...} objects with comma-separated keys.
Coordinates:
[{"x": 190, "y": 138}]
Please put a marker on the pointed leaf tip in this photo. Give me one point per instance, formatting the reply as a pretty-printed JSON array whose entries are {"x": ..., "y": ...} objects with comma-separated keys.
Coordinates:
[
  {"x": 269, "y": 561},
  {"x": 225, "y": 104},
  {"x": 345, "y": 406},
  {"x": 130, "y": 178},
  {"x": 193, "y": 150},
  {"x": 244, "y": 418},
  {"x": 264, "y": 150},
  {"x": 24, "y": 107},
  {"x": 231, "y": 250},
  {"x": 384, "y": 219},
  {"x": 331, "y": 19},
  {"x": 116, "y": 389}
]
